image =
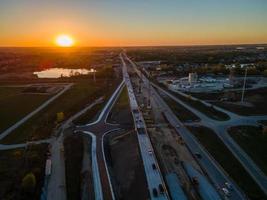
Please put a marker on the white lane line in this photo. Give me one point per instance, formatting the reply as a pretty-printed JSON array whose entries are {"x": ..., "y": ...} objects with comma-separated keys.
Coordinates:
[{"x": 95, "y": 169}]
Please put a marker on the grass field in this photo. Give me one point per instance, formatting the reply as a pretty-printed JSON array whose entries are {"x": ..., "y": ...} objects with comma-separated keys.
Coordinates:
[
  {"x": 14, "y": 105},
  {"x": 14, "y": 164},
  {"x": 210, "y": 111},
  {"x": 121, "y": 112},
  {"x": 73, "y": 151},
  {"x": 254, "y": 142},
  {"x": 229, "y": 163},
  {"x": 264, "y": 122},
  {"x": 180, "y": 111},
  {"x": 123, "y": 100},
  {"x": 127, "y": 167},
  {"x": 256, "y": 97},
  {"x": 41, "y": 125},
  {"x": 90, "y": 115}
]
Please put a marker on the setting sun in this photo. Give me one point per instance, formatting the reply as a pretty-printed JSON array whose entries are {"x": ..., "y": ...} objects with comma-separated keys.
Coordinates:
[{"x": 64, "y": 41}]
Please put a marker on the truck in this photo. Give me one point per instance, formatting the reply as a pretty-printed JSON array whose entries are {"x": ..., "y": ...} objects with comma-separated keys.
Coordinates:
[{"x": 48, "y": 166}]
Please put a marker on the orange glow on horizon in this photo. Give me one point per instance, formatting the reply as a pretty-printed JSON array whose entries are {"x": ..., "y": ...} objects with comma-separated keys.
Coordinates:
[{"x": 96, "y": 39}]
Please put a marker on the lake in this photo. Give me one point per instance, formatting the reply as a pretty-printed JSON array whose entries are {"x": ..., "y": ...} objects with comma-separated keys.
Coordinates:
[{"x": 62, "y": 72}]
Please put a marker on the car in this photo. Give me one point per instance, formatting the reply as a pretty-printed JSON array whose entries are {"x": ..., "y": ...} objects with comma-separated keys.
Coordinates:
[
  {"x": 150, "y": 151},
  {"x": 155, "y": 192},
  {"x": 177, "y": 126},
  {"x": 198, "y": 155},
  {"x": 161, "y": 189},
  {"x": 195, "y": 180},
  {"x": 225, "y": 191},
  {"x": 228, "y": 185},
  {"x": 154, "y": 166}
]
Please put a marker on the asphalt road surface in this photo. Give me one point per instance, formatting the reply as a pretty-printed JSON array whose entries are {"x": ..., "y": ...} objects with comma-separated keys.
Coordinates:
[
  {"x": 220, "y": 128},
  {"x": 209, "y": 165},
  {"x": 99, "y": 129},
  {"x": 153, "y": 176}
]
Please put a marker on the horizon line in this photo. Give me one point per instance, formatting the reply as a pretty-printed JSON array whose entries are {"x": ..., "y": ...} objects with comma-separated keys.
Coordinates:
[{"x": 126, "y": 46}]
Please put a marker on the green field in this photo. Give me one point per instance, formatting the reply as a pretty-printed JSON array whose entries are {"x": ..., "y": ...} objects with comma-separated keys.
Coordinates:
[
  {"x": 264, "y": 122},
  {"x": 210, "y": 111},
  {"x": 14, "y": 105},
  {"x": 121, "y": 112},
  {"x": 123, "y": 100},
  {"x": 90, "y": 115},
  {"x": 180, "y": 111},
  {"x": 257, "y": 98},
  {"x": 254, "y": 143},
  {"x": 73, "y": 151},
  {"x": 41, "y": 125},
  {"x": 229, "y": 163}
]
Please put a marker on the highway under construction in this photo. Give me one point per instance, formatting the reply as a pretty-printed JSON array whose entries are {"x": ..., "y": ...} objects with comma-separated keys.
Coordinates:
[{"x": 187, "y": 169}]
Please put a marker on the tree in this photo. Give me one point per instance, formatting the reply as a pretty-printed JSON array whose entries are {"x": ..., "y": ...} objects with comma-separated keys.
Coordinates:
[
  {"x": 60, "y": 117},
  {"x": 29, "y": 182},
  {"x": 17, "y": 154},
  {"x": 252, "y": 71}
]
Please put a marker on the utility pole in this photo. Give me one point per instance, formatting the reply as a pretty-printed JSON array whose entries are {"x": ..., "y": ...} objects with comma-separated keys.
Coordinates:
[
  {"x": 244, "y": 85},
  {"x": 140, "y": 85},
  {"x": 94, "y": 74},
  {"x": 149, "y": 96}
]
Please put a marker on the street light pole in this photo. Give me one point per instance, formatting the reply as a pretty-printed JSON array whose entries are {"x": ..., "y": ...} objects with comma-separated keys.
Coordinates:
[
  {"x": 94, "y": 74},
  {"x": 244, "y": 85}
]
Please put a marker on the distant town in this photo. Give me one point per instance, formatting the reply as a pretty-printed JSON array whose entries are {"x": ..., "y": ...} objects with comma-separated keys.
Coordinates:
[{"x": 133, "y": 123}]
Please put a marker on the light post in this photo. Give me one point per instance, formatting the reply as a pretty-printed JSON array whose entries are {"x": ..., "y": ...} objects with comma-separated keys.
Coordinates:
[
  {"x": 93, "y": 71},
  {"x": 244, "y": 85}
]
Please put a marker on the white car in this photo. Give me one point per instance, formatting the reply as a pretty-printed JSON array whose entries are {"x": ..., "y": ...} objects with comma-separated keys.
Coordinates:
[
  {"x": 226, "y": 192},
  {"x": 150, "y": 151},
  {"x": 228, "y": 185}
]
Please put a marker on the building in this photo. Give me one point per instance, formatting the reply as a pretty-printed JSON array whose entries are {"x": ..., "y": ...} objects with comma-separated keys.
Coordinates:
[
  {"x": 192, "y": 78},
  {"x": 194, "y": 84}
]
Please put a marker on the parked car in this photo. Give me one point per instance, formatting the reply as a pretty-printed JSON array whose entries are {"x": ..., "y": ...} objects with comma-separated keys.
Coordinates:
[
  {"x": 195, "y": 180},
  {"x": 225, "y": 191},
  {"x": 150, "y": 151},
  {"x": 198, "y": 155},
  {"x": 228, "y": 185}
]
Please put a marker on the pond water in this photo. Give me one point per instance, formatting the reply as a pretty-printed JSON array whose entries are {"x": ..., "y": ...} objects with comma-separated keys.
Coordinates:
[{"x": 62, "y": 72}]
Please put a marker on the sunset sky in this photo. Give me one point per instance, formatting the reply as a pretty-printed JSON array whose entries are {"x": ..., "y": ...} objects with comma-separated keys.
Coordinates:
[{"x": 133, "y": 22}]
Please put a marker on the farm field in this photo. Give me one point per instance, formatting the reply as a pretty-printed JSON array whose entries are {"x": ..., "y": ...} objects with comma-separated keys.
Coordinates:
[{"x": 14, "y": 104}]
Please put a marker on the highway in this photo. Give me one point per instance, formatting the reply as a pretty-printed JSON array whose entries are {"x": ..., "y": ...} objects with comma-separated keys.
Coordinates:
[
  {"x": 153, "y": 176},
  {"x": 209, "y": 165},
  {"x": 220, "y": 128}
]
